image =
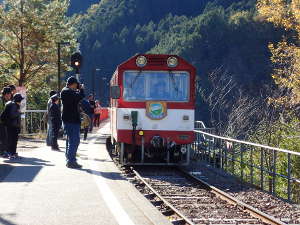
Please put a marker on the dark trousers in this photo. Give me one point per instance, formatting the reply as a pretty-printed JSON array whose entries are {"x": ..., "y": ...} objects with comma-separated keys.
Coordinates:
[
  {"x": 49, "y": 128},
  {"x": 54, "y": 136},
  {"x": 13, "y": 136},
  {"x": 97, "y": 120},
  {"x": 92, "y": 122},
  {"x": 3, "y": 138},
  {"x": 86, "y": 130}
]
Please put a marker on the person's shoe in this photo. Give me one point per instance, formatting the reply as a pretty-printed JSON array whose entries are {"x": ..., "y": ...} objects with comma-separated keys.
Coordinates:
[
  {"x": 73, "y": 165},
  {"x": 56, "y": 149},
  {"x": 14, "y": 157},
  {"x": 4, "y": 155}
]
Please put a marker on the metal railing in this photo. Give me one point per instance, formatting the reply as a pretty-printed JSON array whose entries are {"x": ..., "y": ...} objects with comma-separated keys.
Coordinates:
[
  {"x": 271, "y": 169},
  {"x": 34, "y": 122}
]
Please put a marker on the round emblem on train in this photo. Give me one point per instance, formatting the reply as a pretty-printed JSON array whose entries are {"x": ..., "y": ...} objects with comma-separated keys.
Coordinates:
[{"x": 156, "y": 110}]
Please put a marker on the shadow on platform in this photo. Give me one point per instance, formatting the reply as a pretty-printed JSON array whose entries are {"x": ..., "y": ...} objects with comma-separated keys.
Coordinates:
[
  {"x": 5, "y": 221},
  {"x": 107, "y": 175},
  {"x": 23, "y": 174},
  {"x": 30, "y": 161},
  {"x": 5, "y": 169}
]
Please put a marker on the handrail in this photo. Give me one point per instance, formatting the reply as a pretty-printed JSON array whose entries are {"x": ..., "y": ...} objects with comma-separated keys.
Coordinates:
[
  {"x": 35, "y": 111},
  {"x": 249, "y": 143}
]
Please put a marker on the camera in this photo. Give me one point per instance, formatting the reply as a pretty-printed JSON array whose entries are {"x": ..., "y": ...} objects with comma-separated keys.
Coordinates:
[{"x": 80, "y": 86}]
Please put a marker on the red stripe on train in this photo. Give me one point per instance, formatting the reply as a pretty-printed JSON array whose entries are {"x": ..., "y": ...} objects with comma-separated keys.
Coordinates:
[{"x": 180, "y": 137}]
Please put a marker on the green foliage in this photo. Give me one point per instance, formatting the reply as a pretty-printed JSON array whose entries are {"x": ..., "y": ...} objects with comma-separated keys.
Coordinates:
[
  {"x": 29, "y": 32},
  {"x": 209, "y": 34}
]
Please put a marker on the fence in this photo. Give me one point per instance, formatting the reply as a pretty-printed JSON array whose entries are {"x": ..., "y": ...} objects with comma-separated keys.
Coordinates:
[
  {"x": 272, "y": 169},
  {"x": 35, "y": 122}
]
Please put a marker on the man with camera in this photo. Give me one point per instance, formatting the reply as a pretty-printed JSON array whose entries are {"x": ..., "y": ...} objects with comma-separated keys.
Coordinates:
[{"x": 71, "y": 95}]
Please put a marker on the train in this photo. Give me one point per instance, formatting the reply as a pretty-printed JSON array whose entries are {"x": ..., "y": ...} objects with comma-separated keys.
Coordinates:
[{"x": 152, "y": 110}]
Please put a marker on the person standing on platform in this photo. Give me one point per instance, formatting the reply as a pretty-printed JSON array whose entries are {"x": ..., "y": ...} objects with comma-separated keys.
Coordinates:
[
  {"x": 55, "y": 120},
  {"x": 92, "y": 111},
  {"x": 48, "y": 139},
  {"x": 5, "y": 97},
  {"x": 71, "y": 95},
  {"x": 12, "y": 119},
  {"x": 13, "y": 90},
  {"x": 97, "y": 114},
  {"x": 85, "y": 124}
]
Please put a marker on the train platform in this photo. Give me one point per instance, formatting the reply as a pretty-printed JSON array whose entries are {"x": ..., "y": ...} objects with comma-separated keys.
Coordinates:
[{"x": 40, "y": 190}]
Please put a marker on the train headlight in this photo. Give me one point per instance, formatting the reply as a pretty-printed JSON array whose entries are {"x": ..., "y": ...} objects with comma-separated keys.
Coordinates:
[
  {"x": 141, "y": 61},
  {"x": 183, "y": 150},
  {"x": 141, "y": 133},
  {"x": 172, "y": 61}
]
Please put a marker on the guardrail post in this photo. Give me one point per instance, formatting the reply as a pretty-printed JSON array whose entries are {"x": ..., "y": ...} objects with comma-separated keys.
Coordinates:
[
  {"x": 251, "y": 165},
  {"x": 289, "y": 177},
  {"x": 241, "y": 162},
  {"x": 226, "y": 160},
  {"x": 262, "y": 168},
  {"x": 274, "y": 172},
  {"x": 233, "y": 159}
]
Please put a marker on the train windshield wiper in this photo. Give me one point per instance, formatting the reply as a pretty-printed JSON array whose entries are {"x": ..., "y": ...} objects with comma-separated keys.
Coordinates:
[
  {"x": 173, "y": 82},
  {"x": 135, "y": 79}
]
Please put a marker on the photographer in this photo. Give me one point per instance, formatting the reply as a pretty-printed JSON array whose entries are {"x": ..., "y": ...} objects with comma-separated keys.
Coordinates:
[
  {"x": 71, "y": 95},
  {"x": 5, "y": 97}
]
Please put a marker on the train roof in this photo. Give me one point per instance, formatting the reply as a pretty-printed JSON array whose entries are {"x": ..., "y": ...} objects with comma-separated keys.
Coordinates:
[{"x": 156, "y": 61}]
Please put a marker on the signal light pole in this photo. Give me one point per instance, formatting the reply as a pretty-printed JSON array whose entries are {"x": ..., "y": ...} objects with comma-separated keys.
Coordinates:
[{"x": 58, "y": 62}]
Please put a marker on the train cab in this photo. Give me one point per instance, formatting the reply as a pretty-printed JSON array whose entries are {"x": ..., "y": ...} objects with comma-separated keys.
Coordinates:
[{"x": 152, "y": 110}]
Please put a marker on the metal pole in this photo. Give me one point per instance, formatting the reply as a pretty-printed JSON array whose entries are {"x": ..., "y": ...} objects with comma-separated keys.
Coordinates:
[
  {"x": 289, "y": 176},
  {"x": 58, "y": 66},
  {"x": 262, "y": 168},
  {"x": 93, "y": 80},
  {"x": 143, "y": 150}
]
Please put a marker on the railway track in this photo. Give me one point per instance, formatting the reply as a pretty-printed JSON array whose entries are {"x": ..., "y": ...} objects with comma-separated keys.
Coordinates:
[{"x": 186, "y": 199}]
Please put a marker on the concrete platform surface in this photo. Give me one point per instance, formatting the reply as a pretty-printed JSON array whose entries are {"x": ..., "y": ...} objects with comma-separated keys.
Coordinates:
[{"x": 40, "y": 190}]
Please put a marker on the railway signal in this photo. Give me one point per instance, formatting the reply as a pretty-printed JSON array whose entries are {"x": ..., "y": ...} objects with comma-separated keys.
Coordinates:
[{"x": 76, "y": 61}]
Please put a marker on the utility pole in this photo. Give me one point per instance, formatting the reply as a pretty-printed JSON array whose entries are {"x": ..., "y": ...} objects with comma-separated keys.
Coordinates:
[
  {"x": 93, "y": 79},
  {"x": 58, "y": 67}
]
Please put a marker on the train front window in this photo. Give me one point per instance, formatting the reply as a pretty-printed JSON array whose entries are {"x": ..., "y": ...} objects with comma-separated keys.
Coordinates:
[{"x": 156, "y": 86}]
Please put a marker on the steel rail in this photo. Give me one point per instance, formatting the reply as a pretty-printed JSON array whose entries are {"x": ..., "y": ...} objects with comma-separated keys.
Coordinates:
[
  {"x": 188, "y": 221},
  {"x": 223, "y": 195}
]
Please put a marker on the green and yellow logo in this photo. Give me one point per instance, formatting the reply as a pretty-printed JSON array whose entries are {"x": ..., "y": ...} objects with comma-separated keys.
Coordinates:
[{"x": 156, "y": 110}]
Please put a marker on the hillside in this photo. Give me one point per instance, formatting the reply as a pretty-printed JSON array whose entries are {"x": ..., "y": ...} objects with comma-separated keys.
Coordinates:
[
  {"x": 210, "y": 34},
  {"x": 80, "y": 6}
]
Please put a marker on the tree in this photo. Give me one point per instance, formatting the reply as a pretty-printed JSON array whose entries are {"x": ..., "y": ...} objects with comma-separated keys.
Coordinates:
[
  {"x": 286, "y": 53},
  {"x": 29, "y": 33}
]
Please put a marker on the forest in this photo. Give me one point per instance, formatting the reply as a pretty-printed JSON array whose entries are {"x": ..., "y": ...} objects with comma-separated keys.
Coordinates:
[
  {"x": 246, "y": 57},
  {"x": 224, "y": 37}
]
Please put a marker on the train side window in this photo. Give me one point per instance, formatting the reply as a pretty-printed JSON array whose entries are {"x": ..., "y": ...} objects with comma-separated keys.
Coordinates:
[{"x": 115, "y": 92}]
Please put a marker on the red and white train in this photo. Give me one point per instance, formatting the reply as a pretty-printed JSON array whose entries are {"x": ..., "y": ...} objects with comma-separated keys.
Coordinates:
[{"x": 152, "y": 110}]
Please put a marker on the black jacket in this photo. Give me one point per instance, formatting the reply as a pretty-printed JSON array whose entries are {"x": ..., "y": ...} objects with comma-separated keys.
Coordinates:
[
  {"x": 55, "y": 116},
  {"x": 11, "y": 115},
  {"x": 70, "y": 99}
]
